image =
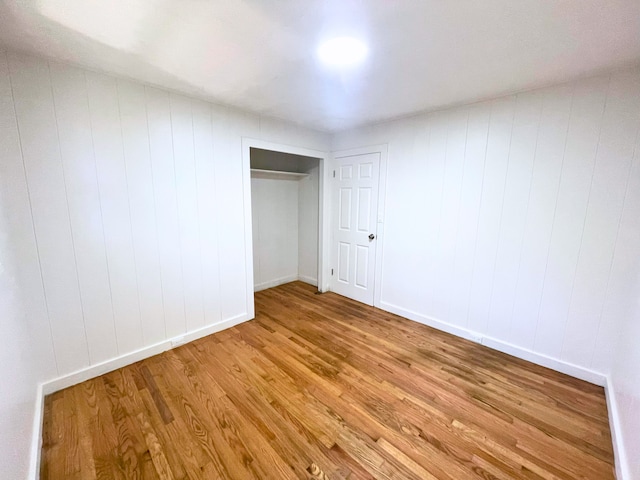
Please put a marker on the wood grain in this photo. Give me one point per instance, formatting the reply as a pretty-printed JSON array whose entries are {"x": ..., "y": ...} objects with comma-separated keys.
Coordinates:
[{"x": 322, "y": 387}]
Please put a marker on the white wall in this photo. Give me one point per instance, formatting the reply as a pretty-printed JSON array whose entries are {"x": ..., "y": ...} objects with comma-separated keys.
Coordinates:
[
  {"x": 27, "y": 355},
  {"x": 124, "y": 210},
  {"x": 308, "y": 198},
  {"x": 517, "y": 222},
  {"x": 626, "y": 386},
  {"x": 624, "y": 304},
  {"x": 122, "y": 205},
  {"x": 275, "y": 231},
  {"x": 18, "y": 371},
  {"x": 502, "y": 218},
  {"x": 285, "y": 230},
  {"x": 285, "y": 249}
]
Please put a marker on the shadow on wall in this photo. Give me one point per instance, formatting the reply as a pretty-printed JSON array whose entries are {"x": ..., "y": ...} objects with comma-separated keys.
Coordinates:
[
  {"x": 626, "y": 381},
  {"x": 122, "y": 54},
  {"x": 19, "y": 371}
]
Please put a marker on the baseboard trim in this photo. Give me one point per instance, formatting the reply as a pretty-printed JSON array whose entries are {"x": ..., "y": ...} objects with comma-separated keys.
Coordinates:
[
  {"x": 561, "y": 366},
  {"x": 36, "y": 437},
  {"x": 309, "y": 280},
  {"x": 275, "y": 282},
  {"x": 619, "y": 451},
  {"x": 283, "y": 280},
  {"x": 93, "y": 371},
  {"x": 135, "y": 356}
]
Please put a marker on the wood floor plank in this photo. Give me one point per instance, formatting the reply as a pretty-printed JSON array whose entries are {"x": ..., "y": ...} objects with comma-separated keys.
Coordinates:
[{"x": 322, "y": 387}]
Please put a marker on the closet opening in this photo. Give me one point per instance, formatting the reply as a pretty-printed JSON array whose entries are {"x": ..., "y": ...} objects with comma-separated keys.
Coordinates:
[{"x": 286, "y": 218}]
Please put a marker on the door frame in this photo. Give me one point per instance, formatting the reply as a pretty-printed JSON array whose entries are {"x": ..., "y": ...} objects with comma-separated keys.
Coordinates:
[
  {"x": 324, "y": 212},
  {"x": 382, "y": 149}
]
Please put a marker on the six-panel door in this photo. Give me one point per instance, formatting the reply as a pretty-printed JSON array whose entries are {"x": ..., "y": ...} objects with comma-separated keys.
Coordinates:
[{"x": 355, "y": 208}]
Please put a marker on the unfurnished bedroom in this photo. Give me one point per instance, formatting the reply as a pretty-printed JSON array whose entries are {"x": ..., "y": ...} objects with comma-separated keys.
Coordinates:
[{"x": 320, "y": 240}]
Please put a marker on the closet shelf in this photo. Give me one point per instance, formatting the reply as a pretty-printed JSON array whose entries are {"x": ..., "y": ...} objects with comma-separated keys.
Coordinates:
[{"x": 277, "y": 174}]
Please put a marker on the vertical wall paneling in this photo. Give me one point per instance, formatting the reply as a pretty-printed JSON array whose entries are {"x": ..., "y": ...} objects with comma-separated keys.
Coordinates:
[
  {"x": 524, "y": 138},
  {"x": 407, "y": 210},
  {"x": 471, "y": 192},
  {"x": 166, "y": 206},
  {"x": 188, "y": 216},
  {"x": 114, "y": 198},
  {"x": 275, "y": 217},
  {"x": 571, "y": 204},
  {"x": 14, "y": 195},
  {"x": 83, "y": 195},
  {"x": 230, "y": 213},
  {"x": 613, "y": 163},
  {"x": 621, "y": 297},
  {"x": 47, "y": 192},
  {"x": 308, "y": 194},
  {"x": 549, "y": 157},
  {"x": 622, "y": 307},
  {"x": 425, "y": 188},
  {"x": 24, "y": 325},
  {"x": 284, "y": 213},
  {"x": 123, "y": 225},
  {"x": 124, "y": 210},
  {"x": 540, "y": 230},
  {"x": 493, "y": 187},
  {"x": 449, "y": 210},
  {"x": 207, "y": 201},
  {"x": 135, "y": 138},
  {"x": 434, "y": 143},
  {"x": 256, "y": 196}
]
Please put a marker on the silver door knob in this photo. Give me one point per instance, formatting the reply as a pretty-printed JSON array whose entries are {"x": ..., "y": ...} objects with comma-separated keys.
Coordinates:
[{"x": 371, "y": 236}]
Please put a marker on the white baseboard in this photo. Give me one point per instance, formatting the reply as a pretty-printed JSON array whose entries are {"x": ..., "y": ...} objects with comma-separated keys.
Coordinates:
[
  {"x": 561, "y": 366},
  {"x": 127, "y": 359},
  {"x": 429, "y": 321},
  {"x": 500, "y": 345},
  {"x": 132, "y": 357},
  {"x": 101, "y": 368},
  {"x": 282, "y": 280},
  {"x": 309, "y": 280},
  {"x": 275, "y": 282},
  {"x": 619, "y": 451},
  {"x": 36, "y": 437}
]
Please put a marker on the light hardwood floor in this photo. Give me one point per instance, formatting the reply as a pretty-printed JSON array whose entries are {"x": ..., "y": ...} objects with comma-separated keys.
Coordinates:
[{"x": 319, "y": 386}]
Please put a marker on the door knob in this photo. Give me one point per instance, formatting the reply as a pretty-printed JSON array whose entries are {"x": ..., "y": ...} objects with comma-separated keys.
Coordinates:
[{"x": 371, "y": 236}]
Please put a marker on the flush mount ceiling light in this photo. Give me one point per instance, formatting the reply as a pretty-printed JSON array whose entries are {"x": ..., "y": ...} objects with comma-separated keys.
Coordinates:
[{"x": 342, "y": 52}]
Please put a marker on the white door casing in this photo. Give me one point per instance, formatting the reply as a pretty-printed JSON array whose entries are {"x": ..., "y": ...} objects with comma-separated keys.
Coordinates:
[
  {"x": 323, "y": 213},
  {"x": 354, "y": 225}
]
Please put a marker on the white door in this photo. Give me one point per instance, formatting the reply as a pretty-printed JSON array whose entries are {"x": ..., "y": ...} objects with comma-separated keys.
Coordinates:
[{"x": 354, "y": 236}]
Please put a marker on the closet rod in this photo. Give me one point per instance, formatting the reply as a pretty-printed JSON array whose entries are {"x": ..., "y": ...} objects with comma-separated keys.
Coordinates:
[{"x": 277, "y": 174}]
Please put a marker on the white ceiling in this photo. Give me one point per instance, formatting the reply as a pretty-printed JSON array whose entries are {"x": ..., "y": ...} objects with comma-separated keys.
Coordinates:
[{"x": 259, "y": 55}]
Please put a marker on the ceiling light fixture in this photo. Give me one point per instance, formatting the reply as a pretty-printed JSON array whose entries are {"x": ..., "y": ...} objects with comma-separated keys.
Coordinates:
[{"x": 342, "y": 52}]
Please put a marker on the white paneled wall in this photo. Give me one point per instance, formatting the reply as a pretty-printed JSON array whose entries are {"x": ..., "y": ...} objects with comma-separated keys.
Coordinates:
[
  {"x": 41, "y": 154},
  {"x": 275, "y": 231},
  {"x": 125, "y": 209},
  {"x": 27, "y": 352},
  {"x": 626, "y": 391},
  {"x": 502, "y": 217},
  {"x": 123, "y": 224},
  {"x": 622, "y": 303},
  {"x": 308, "y": 202},
  {"x": 285, "y": 218},
  {"x": 20, "y": 247}
]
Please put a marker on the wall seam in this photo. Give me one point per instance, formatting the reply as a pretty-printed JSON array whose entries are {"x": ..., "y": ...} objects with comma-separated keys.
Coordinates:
[
  {"x": 104, "y": 235},
  {"x": 33, "y": 226},
  {"x": 66, "y": 198}
]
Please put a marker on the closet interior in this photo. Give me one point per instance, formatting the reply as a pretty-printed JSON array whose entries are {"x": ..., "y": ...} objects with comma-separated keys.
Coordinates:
[{"x": 285, "y": 206}]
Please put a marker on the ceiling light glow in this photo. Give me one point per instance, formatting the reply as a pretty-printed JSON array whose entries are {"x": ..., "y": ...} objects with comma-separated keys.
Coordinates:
[{"x": 342, "y": 52}]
